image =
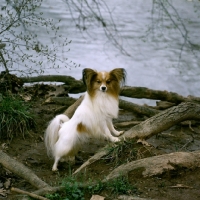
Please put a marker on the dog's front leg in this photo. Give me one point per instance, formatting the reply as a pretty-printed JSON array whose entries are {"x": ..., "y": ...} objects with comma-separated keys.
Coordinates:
[
  {"x": 112, "y": 129},
  {"x": 110, "y": 137}
]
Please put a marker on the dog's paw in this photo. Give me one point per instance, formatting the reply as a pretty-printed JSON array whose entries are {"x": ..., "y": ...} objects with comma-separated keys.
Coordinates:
[
  {"x": 115, "y": 139},
  {"x": 118, "y": 133},
  {"x": 121, "y": 132},
  {"x": 54, "y": 169}
]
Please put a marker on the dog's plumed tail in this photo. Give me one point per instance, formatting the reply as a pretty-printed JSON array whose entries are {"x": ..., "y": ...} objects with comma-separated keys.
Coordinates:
[{"x": 51, "y": 134}]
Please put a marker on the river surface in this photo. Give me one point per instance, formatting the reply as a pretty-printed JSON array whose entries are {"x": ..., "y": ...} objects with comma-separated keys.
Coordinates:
[{"x": 158, "y": 50}]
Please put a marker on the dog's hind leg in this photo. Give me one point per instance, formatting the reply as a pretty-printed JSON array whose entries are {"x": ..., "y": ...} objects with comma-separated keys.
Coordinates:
[{"x": 55, "y": 165}]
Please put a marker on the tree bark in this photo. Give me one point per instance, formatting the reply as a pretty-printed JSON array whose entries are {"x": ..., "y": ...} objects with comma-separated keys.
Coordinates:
[
  {"x": 67, "y": 101},
  {"x": 22, "y": 171},
  {"x": 75, "y": 86},
  {"x": 143, "y": 92},
  {"x": 71, "y": 109},
  {"x": 164, "y": 120},
  {"x": 157, "y": 165},
  {"x": 93, "y": 159},
  {"x": 35, "y": 196},
  {"x": 141, "y": 110}
]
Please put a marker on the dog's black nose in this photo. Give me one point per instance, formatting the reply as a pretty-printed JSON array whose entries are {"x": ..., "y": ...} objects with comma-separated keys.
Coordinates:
[{"x": 103, "y": 88}]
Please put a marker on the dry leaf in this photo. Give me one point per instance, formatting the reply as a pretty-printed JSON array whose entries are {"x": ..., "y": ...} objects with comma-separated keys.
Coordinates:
[{"x": 3, "y": 192}]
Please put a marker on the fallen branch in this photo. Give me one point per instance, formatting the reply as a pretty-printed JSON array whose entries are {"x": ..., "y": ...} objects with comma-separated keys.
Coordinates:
[
  {"x": 141, "y": 110},
  {"x": 67, "y": 101},
  {"x": 143, "y": 92},
  {"x": 70, "y": 111},
  {"x": 75, "y": 86},
  {"x": 22, "y": 171},
  {"x": 28, "y": 193},
  {"x": 91, "y": 160},
  {"x": 157, "y": 165},
  {"x": 164, "y": 120},
  {"x": 49, "y": 78}
]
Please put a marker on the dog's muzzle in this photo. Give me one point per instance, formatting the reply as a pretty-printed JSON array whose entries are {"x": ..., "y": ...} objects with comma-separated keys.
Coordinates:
[{"x": 103, "y": 88}]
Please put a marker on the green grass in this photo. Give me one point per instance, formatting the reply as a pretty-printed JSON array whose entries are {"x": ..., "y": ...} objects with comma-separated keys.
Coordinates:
[
  {"x": 15, "y": 117},
  {"x": 122, "y": 152},
  {"x": 74, "y": 190}
]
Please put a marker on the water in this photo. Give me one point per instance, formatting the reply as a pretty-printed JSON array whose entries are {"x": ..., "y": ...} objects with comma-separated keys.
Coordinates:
[{"x": 154, "y": 51}]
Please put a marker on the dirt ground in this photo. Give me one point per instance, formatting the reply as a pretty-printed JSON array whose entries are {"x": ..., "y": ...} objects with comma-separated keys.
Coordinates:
[{"x": 180, "y": 184}]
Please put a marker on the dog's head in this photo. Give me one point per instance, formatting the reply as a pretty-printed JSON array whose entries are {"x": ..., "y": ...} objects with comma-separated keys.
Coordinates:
[{"x": 107, "y": 82}]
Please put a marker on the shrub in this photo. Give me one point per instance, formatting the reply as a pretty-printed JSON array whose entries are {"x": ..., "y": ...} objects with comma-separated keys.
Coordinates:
[{"x": 15, "y": 117}]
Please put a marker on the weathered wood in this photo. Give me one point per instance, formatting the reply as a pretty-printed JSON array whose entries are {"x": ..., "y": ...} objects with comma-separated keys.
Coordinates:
[
  {"x": 137, "y": 109},
  {"x": 67, "y": 101},
  {"x": 75, "y": 86},
  {"x": 35, "y": 196},
  {"x": 164, "y": 120},
  {"x": 71, "y": 109},
  {"x": 93, "y": 159},
  {"x": 49, "y": 78},
  {"x": 143, "y": 92},
  {"x": 22, "y": 171},
  {"x": 157, "y": 165}
]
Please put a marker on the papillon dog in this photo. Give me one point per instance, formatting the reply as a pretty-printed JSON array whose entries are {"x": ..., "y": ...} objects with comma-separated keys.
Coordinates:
[{"x": 93, "y": 117}]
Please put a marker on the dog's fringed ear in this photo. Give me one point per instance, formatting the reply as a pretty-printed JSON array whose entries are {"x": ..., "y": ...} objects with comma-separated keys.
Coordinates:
[
  {"x": 120, "y": 74},
  {"x": 88, "y": 74}
]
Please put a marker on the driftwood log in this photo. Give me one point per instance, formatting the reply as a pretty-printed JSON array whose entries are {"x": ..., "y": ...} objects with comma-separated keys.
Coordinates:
[
  {"x": 164, "y": 120},
  {"x": 157, "y": 165},
  {"x": 21, "y": 170},
  {"x": 77, "y": 86}
]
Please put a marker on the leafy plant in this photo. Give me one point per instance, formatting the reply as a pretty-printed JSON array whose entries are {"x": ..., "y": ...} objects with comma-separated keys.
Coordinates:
[
  {"x": 14, "y": 117},
  {"x": 55, "y": 196},
  {"x": 121, "y": 185},
  {"x": 72, "y": 189}
]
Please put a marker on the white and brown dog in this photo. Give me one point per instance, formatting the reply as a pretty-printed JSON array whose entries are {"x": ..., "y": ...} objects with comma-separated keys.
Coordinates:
[{"x": 93, "y": 118}]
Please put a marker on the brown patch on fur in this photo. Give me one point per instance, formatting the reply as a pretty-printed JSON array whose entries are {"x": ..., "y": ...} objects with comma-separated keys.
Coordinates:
[
  {"x": 111, "y": 80},
  {"x": 81, "y": 128},
  {"x": 88, "y": 77}
]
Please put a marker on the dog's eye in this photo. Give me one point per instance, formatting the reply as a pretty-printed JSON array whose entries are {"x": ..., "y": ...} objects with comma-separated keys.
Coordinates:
[
  {"x": 108, "y": 81},
  {"x": 98, "y": 81}
]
